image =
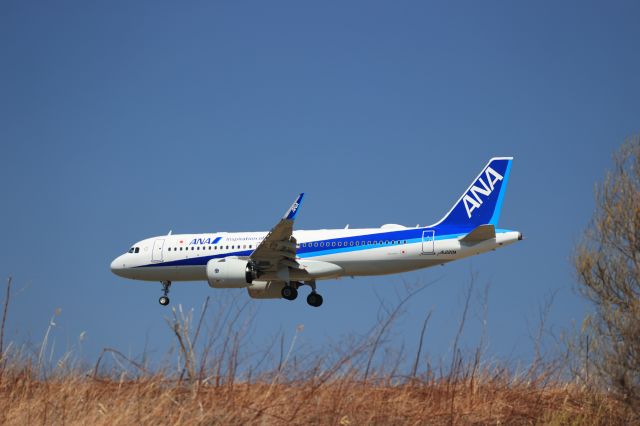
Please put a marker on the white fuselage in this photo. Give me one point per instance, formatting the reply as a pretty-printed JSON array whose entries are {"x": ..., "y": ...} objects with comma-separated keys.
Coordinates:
[{"x": 352, "y": 252}]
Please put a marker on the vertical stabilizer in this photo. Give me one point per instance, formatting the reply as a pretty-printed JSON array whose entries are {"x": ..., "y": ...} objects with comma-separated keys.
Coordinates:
[{"x": 481, "y": 203}]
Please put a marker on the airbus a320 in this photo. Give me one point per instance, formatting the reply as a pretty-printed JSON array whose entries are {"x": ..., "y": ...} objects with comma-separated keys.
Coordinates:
[{"x": 276, "y": 264}]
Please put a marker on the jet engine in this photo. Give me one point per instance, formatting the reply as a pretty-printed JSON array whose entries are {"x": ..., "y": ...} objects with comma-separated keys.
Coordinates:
[
  {"x": 230, "y": 272},
  {"x": 266, "y": 289}
]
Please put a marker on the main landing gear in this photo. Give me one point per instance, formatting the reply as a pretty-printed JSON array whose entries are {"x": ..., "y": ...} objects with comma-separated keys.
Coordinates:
[
  {"x": 164, "y": 300},
  {"x": 314, "y": 299},
  {"x": 290, "y": 292}
]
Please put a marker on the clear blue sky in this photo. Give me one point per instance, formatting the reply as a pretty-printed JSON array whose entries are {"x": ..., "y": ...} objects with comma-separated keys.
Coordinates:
[{"x": 123, "y": 120}]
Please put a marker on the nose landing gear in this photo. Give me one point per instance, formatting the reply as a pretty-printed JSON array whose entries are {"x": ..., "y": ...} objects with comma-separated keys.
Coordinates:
[{"x": 164, "y": 300}]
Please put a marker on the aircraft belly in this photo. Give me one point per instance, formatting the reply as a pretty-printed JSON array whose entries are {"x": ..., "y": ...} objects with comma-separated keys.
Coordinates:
[
  {"x": 383, "y": 260},
  {"x": 389, "y": 266},
  {"x": 172, "y": 273}
]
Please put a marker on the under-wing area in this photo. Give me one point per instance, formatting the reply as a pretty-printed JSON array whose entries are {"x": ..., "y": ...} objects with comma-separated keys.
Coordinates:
[{"x": 272, "y": 270}]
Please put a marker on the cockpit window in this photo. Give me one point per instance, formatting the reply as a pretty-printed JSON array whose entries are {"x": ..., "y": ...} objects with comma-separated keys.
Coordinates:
[
  {"x": 137, "y": 250},
  {"x": 131, "y": 250}
]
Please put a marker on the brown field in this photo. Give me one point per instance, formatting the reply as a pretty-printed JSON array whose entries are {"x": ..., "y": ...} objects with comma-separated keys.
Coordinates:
[
  {"x": 221, "y": 378},
  {"x": 75, "y": 399}
]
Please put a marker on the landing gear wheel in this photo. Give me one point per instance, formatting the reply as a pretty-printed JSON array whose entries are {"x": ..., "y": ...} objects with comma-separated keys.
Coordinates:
[
  {"x": 289, "y": 292},
  {"x": 164, "y": 300},
  {"x": 314, "y": 299}
]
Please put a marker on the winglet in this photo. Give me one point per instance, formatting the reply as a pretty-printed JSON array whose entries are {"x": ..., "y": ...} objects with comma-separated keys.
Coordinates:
[{"x": 293, "y": 210}]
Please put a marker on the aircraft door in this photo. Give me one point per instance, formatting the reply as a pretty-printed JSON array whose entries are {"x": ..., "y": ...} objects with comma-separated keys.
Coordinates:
[
  {"x": 428, "y": 241},
  {"x": 156, "y": 253}
]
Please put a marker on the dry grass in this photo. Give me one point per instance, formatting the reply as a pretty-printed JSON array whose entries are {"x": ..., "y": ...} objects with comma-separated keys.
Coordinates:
[
  {"x": 357, "y": 381},
  {"x": 75, "y": 399}
]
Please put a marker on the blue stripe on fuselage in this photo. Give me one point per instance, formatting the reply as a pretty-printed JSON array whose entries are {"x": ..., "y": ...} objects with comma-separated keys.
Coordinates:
[
  {"x": 198, "y": 261},
  {"x": 326, "y": 247}
]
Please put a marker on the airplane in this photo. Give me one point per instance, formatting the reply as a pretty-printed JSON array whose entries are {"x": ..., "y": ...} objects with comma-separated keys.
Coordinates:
[{"x": 275, "y": 264}]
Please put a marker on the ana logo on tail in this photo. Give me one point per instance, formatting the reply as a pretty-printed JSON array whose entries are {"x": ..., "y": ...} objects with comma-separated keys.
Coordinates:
[{"x": 472, "y": 198}]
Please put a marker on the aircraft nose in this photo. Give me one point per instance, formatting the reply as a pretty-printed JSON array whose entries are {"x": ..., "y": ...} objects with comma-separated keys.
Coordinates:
[{"x": 118, "y": 266}]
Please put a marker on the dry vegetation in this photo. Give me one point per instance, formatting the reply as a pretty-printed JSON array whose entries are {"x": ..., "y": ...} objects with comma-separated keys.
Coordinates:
[
  {"x": 608, "y": 265},
  {"x": 75, "y": 399},
  {"x": 359, "y": 380}
]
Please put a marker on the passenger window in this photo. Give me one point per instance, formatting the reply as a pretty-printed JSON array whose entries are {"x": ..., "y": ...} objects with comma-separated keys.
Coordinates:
[
  {"x": 357, "y": 243},
  {"x": 227, "y": 247},
  {"x": 351, "y": 243},
  {"x": 333, "y": 244}
]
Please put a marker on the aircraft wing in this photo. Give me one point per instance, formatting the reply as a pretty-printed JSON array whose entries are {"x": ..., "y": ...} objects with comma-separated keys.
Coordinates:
[{"x": 278, "y": 248}]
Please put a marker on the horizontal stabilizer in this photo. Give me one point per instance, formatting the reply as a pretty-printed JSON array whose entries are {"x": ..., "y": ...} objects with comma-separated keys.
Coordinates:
[{"x": 480, "y": 233}]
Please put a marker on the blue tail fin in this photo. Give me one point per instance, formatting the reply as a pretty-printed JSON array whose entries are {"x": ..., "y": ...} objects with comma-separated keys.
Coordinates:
[{"x": 481, "y": 203}]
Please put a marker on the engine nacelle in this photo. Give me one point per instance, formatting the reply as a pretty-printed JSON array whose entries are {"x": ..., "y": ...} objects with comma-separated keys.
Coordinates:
[
  {"x": 230, "y": 272},
  {"x": 266, "y": 289}
]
